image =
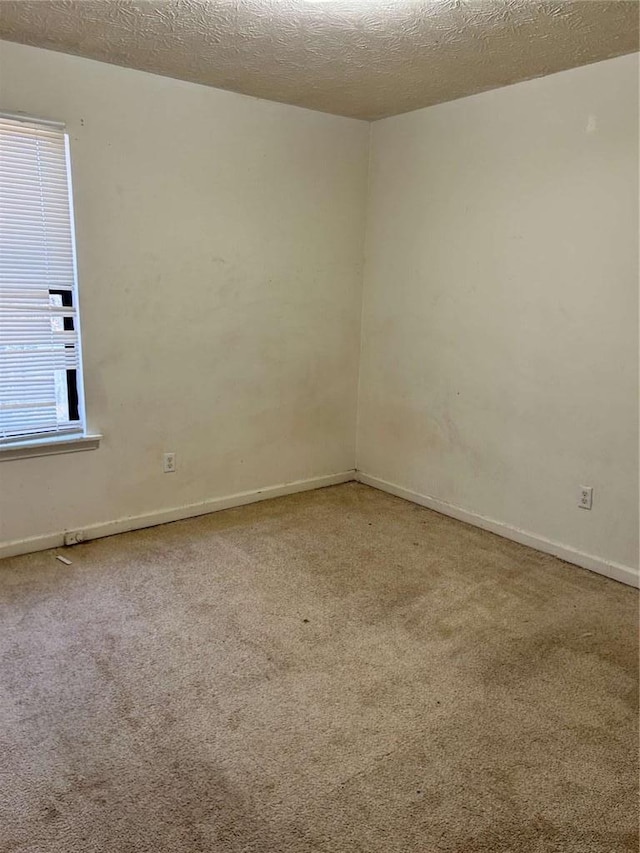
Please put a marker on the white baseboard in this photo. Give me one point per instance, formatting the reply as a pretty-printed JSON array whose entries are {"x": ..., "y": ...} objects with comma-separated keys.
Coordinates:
[
  {"x": 151, "y": 519},
  {"x": 617, "y": 571}
]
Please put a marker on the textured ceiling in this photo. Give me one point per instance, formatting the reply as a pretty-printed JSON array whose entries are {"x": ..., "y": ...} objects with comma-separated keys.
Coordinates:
[{"x": 361, "y": 58}]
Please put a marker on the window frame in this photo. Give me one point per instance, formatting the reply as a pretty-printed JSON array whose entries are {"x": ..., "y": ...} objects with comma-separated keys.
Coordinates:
[{"x": 50, "y": 443}]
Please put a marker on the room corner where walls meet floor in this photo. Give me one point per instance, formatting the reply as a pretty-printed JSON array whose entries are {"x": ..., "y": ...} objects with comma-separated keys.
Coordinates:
[{"x": 619, "y": 573}]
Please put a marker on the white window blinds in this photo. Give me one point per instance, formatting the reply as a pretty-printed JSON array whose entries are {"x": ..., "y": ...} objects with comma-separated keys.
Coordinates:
[{"x": 40, "y": 364}]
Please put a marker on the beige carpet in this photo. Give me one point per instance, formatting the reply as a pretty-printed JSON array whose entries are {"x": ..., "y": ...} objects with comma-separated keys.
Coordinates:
[{"x": 333, "y": 671}]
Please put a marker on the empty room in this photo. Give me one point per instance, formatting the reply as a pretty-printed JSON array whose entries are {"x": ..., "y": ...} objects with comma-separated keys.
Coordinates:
[{"x": 319, "y": 447}]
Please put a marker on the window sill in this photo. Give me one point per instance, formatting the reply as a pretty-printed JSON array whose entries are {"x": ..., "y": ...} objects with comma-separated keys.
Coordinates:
[{"x": 48, "y": 447}]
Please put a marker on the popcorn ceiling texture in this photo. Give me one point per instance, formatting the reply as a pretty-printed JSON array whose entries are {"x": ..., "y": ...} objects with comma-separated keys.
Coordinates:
[{"x": 362, "y": 58}]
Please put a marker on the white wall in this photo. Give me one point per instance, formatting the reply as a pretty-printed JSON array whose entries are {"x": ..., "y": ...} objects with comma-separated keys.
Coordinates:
[
  {"x": 220, "y": 267},
  {"x": 500, "y": 330},
  {"x": 220, "y": 261}
]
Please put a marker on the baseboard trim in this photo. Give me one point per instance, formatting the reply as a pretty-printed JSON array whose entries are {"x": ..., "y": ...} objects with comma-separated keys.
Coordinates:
[
  {"x": 616, "y": 571},
  {"x": 164, "y": 516}
]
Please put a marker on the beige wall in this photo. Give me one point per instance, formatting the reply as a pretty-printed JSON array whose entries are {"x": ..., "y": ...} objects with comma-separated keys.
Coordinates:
[
  {"x": 220, "y": 259},
  {"x": 500, "y": 330},
  {"x": 219, "y": 251}
]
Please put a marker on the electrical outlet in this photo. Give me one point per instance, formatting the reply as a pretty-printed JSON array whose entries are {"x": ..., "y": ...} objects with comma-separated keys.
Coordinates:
[
  {"x": 169, "y": 463},
  {"x": 585, "y": 497},
  {"x": 73, "y": 537}
]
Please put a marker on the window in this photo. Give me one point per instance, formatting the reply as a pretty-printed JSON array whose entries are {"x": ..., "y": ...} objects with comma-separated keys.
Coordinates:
[{"x": 40, "y": 357}]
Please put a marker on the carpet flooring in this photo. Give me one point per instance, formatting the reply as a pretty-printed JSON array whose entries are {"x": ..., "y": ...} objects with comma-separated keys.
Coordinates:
[{"x": 338, "y": 671}]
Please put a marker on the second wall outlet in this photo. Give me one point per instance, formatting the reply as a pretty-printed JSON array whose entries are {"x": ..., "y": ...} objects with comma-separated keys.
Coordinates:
[
  {"x": 585, "y": 497},
  {"x": 169, "y": 463}
]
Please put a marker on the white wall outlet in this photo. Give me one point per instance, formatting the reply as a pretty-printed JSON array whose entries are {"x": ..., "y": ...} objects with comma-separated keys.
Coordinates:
[
  {"x": 169, "y": 463},
  {"x": 585, "y": 497},
  {"x": 73, "y": 537}
]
